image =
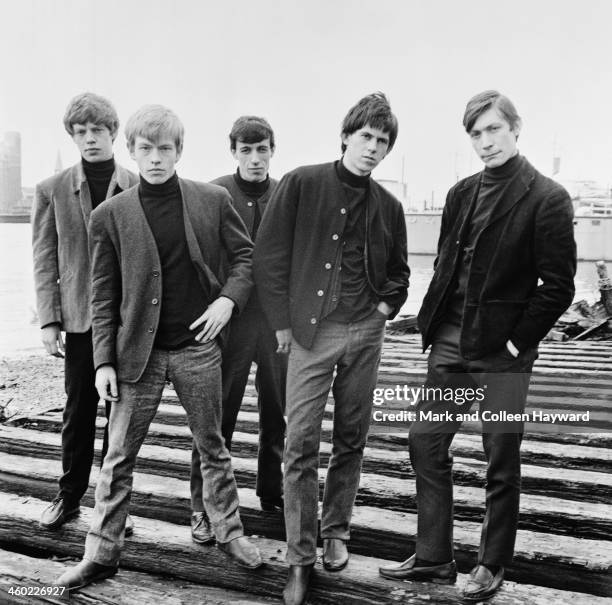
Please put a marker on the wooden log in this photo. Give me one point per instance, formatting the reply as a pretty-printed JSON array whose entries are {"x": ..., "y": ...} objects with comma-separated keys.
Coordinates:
[
  {"x": 379, "y": 532},
  {"x": 157, "y": 547},
  {"x": 375, "y": 490},
  {"x": 125, "y": 588},
  {"x": 376, "y": 459}
]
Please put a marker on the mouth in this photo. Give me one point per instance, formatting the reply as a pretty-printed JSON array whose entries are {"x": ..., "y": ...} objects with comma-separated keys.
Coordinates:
[
  {"x": 490, "y": 156},
  {"x": 92, "y": 149}
]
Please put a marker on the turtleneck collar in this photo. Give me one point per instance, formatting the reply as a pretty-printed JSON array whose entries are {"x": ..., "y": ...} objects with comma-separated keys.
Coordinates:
[
  {"x": 105, "y": 168},
  {"x": 503, "y": 172},
  {"x": 251, "y": 188},
  {"x": 349, "y": 178},
  {"x": 170, "y": 187}
]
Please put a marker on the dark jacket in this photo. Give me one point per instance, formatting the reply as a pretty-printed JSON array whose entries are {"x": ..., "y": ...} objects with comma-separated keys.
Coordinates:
[
  {"x": 126, "y": 269},
  {"x": 298, "y": 241},
  {"x": 521, "y": 277},
  {"x": 62, "y": 275},
  {"x": 242, "y": 202}
]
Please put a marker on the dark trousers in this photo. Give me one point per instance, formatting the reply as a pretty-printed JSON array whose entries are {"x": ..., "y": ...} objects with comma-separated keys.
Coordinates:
[
  {"x": 507, "y": 382},
  {"x": 251, "y": 339},
  {"x": 79, "y": 421}
]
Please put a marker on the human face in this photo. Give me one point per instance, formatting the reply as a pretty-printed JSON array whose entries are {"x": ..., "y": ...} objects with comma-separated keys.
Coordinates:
[
  {"x": 94, "y": 141},
  {"x": 365, "y": 148},
  {"x": 493, "y": 139},
  {"x": 253, "y": 159},
  {"x": 156, "y": 161}
]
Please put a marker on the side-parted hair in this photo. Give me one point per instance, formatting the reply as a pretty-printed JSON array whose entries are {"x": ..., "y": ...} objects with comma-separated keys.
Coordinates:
[
  {"x": 373, "y": 110},
  {"x": 483, "y": 101},
  {"x": 250, "y": 129},
  {"x": 90, "y": 107},
  {"x": 153, "y": 122}
]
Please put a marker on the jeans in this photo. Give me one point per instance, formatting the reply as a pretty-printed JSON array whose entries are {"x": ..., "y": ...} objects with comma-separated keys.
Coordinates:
[
  {"x": 252, "y": 339},
  {"x": 507, "y": 382},
  {"x": 353, "y": 350},
  {"x": 196, "y": 375},
  {"x": 79, "y": 419}
]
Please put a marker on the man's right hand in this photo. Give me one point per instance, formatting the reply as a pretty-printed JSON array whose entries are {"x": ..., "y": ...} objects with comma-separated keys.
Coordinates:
[
  {"x": 106, "y": 383},
  {"x": 53, "y": 341},
  {"x": 283, "y": 337}
]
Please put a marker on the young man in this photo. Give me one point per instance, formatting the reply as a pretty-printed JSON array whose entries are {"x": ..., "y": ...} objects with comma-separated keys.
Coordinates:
[
  {"x": 503, "y": 275},
  {"x": 250, "y": 336},
  {"x": 330, "y": 269},
  {"x": 158, "y": 306},
  {"x": 62, "y": 279}
]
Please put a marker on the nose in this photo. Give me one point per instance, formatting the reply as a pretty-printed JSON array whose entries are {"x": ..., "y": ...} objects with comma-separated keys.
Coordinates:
[
  {"x": 486, "y": 140},
  {"x": 255, "y": 159},
  {"x": 155, "y": 157},
  {"x": 89, "y": 135}
]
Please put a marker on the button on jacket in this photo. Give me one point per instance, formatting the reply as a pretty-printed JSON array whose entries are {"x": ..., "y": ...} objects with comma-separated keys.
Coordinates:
[
  {"x": 299, "y": 239},
  {"x": 62, "y": 276},
  {"x": 126, "y": 266}
]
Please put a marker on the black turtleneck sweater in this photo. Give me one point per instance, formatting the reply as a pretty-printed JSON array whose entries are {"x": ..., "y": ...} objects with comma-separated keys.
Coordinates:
[
  {"x": 492, "y": 187},
  {"x": 253, "y": 190},
  {"x": 98, "y": 175},
  {"x": 350, "y": 298},
  {"x": 183, "y": 298}
]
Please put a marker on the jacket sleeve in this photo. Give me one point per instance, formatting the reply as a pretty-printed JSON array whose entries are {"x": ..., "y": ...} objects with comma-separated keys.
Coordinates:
[
  {"x": 273, "y": 252},
  {"x": 239, "y": 250},
  {"x": 106, "y": 289},
  {"x": 46, "y": 269},
  {"x": 398, "y": 272},
  {"x": 555, "y": 255}
]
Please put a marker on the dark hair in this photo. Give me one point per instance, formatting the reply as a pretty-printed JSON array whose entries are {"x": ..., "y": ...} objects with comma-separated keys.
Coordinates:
[
  {"x": 373, "y": 110},
  {"x": 250, "y": 129},
  {"x": 483, "y": 101},
  {"x": 90, "y": 107}
]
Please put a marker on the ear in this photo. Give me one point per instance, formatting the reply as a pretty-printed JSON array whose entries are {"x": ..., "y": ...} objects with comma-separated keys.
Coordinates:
[
  {"x": 272, "y": 149},
  {"x": 517, "y": 129},
  {"x": 234, "y": 153},
  {"x": 130, "y": 151}
]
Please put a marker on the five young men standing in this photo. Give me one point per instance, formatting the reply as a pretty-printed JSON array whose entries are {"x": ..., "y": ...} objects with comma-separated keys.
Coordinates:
[{"x": 171, "y": 275}]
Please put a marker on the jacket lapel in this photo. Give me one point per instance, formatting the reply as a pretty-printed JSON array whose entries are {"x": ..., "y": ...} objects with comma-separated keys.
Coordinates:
[
  {"x": 81, "y": 190},
  {"x": 190, "y": 200}
]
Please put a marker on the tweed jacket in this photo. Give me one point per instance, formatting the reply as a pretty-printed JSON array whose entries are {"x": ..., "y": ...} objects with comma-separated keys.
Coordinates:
[
  {"x": 62, "y": 276},
  {"x": 521, "y": 277},
  {"x": 298, "y": 242},
  {"x": 126, "y": 269}
]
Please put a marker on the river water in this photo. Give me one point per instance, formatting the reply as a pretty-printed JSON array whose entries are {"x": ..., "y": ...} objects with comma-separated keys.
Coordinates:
[{"x": 20, "y": 334}]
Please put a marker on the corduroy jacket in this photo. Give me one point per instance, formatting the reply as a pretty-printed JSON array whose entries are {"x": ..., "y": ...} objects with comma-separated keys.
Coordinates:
[
  {"x": 298, "y": 241},
  {"x": 62, "y": 276},
  {"x": 126, "y": 269},
  {"x": 521, "y": 277}
]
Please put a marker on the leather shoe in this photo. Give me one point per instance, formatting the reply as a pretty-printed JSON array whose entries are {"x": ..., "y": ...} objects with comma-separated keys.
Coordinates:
[
  {"x": 272, "y": 505},
  {"x": 296, "y": 588},
  {"x": 446, "y": 573},
  {"x": 129, "y": 527},
  {"x": 243, "y": 552},
  {"x": 482, "y": 584},
  {"x": 57, "y": 513},
  {"x": 201, "y": 532},
  {"x": 335, "y": 555},
  {"x": 85, "y": 573}
]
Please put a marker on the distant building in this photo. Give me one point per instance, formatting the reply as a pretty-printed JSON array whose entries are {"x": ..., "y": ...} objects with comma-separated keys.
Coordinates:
[{"x": 10, "y": 172}]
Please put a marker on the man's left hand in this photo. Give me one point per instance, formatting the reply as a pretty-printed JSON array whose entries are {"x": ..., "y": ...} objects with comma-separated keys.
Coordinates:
[{"x": 214, "y": 319}]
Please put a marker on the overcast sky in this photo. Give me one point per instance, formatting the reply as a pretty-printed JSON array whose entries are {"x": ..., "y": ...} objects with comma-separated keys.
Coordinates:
[{"x": 303, "y": 64}]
